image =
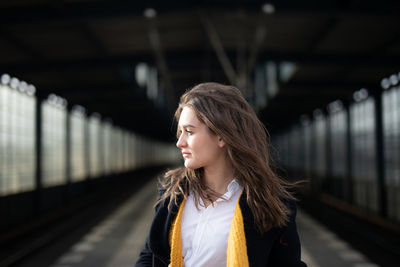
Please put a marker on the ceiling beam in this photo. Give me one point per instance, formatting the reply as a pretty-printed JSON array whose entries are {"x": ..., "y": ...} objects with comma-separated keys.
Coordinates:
[
  {"x": 131, "y": 59},
  {"x": 338, "y": 59},
  {"x": 82, "y": 11},
  {"x": 326, "y": 85},
  {"x": 384, "y": 46},
  {"x": 302, "y": 94}
]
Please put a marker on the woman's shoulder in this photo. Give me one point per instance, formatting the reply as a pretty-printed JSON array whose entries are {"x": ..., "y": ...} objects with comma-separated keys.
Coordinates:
[
  {"x": 291, "y": 205},
  {"x": 289, "y": 202}
]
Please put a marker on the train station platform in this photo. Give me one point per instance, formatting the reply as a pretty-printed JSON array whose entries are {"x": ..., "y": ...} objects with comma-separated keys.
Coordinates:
[{"x": 118, "y": 239}]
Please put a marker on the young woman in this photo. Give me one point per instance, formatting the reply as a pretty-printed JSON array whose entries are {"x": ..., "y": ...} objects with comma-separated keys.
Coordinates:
[{"x": 226, "y": 206}]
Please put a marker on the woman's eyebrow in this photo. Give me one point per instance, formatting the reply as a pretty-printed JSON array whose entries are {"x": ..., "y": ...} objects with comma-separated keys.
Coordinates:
[{"x": 188, "y": 125}]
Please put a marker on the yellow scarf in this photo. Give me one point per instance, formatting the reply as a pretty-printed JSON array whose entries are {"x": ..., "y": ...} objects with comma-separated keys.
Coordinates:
[{"x": 236, "y": 254}]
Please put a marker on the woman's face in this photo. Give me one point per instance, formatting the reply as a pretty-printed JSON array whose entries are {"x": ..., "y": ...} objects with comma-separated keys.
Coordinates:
[{"x": 200, "y": 147}]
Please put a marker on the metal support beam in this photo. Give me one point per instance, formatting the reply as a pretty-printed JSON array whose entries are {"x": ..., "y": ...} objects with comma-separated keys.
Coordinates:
[
  {"x": 380, "y": 164},
  {"x": 92, "y": 39},
  {"x": 23, "y": 48},
  {"x": 349, "y": 183},
  {"x": 219, "y": 48},
  {"x": 241, "y": 53},
  {"x": 259, "y": 38},
  {"x": 155, "y": 42},
  {"x": 321, "y": 34},
  {"x": 38, "y": 150}
]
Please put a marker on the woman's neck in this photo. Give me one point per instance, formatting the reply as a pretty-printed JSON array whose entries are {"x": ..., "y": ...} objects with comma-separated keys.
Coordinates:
[{"x": 219, "y": 177}]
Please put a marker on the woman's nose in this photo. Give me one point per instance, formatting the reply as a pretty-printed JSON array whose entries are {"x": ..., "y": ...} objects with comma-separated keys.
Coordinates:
[{"x": 181, "y": 141}]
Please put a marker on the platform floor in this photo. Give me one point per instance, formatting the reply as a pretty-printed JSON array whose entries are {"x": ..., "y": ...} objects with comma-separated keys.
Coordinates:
[{"x": 117, "y": 240}]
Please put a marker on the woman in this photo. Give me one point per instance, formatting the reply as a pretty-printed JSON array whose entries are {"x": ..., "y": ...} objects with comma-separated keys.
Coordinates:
[{"x": 226, "y": 207}]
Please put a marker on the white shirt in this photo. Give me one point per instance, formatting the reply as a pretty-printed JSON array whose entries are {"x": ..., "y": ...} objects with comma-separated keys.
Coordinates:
[{"x": 205, "y": 232}]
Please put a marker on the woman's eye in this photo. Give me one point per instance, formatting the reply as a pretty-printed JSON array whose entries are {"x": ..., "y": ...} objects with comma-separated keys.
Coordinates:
[{"x": 189, "y": 132}]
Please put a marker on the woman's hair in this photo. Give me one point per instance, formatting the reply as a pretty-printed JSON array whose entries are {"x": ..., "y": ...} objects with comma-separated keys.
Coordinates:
[{"x": 227, "y": 114}]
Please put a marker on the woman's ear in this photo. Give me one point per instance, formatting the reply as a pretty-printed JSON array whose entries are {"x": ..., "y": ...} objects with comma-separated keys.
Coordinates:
[{"x": 221, "y": 142}]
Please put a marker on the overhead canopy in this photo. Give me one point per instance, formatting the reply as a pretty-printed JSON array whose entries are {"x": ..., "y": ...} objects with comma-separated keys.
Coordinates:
[{"x": 88, "y": 52}]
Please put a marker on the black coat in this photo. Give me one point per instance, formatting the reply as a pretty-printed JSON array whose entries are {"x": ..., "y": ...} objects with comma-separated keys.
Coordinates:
[{"x": 279, "y": 247}]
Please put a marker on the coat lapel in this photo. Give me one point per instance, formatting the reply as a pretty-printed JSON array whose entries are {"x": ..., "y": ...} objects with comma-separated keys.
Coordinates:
[
  {"x": 159, "y": 231},
  {"x": 258, "y": 245}
]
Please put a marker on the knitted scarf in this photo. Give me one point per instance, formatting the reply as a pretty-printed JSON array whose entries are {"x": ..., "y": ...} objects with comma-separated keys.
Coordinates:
[{"x": 236, "y": 254}]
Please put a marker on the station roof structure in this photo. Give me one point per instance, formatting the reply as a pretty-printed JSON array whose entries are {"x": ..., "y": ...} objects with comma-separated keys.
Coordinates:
[{"x": 88, "y": 52}]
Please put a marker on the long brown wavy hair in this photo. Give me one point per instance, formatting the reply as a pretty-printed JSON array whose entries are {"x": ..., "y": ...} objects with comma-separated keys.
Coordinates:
[{"x": 227, "y": 114}]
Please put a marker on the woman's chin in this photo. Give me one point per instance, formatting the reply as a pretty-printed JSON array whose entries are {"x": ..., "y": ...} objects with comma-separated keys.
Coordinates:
[{"x": 190, "y": 165}]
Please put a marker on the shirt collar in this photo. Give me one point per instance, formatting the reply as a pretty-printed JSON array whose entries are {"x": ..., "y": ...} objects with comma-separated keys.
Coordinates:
[{"x": 233, "y": 186}]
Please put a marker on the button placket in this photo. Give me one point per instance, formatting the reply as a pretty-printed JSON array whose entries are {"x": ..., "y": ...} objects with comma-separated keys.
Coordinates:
[
  {"x": 198, "y": 231},
  {"x": 201, "y": 227}
]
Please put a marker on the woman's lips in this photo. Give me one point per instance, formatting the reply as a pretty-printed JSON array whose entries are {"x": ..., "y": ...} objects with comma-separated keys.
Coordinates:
[{"x": 185, "y": 154}]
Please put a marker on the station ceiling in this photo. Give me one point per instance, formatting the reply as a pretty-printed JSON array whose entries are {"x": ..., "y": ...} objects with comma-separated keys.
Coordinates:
[{"x": 86, "y": 51}]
